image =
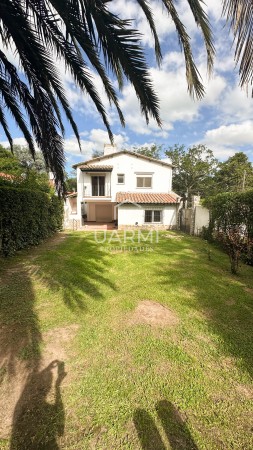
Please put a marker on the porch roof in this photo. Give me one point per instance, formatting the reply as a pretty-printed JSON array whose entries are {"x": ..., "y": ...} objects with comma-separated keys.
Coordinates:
[
  {"x": 95, "y": 168},
  {"x": 136, "y": 197}
]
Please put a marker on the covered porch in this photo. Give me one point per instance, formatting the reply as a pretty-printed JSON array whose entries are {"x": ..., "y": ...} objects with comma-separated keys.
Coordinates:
[{"x": 98, "y": 213}]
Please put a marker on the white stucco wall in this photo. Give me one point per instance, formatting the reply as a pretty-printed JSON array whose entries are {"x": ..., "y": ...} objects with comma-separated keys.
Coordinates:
[
  {"x": 130, "y": 214},
  {"x": 201, "y": 219},
  {"x": 130, "y": 166},
  {"x": 71, "y": 218}
]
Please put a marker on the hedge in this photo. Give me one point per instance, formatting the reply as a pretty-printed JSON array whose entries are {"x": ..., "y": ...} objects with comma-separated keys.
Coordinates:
[
  {"x": 27, "y": 217},
  {"x": 231, "y": 208},
  {"x": 231, "y": 222}
]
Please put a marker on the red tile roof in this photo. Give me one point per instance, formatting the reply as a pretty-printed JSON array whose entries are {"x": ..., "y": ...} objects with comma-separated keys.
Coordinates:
[
  {"x": 95, "y": 167},
  {"x": 136, "y": 197},
  {"x": 7, "y": 176}
]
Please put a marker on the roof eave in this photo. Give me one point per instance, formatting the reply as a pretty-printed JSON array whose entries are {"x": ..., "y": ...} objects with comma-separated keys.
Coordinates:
[{"x": 127, "y": 152}]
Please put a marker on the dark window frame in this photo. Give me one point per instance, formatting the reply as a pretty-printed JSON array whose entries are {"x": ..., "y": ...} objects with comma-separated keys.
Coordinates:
[
  {"x": 151, "y": 213},
  {"x": 120, "y": 175}
]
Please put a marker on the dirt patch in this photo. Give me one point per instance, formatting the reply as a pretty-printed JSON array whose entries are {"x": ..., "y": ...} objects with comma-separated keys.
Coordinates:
[
  {"x": 230, "y": 302},
  {"x": 245, "y": 391},
  {"x": 249, "y": 290},
  {"x": 57, "y": 341},
  {"x": 28, "y": 376},
  {"x": 153, "y": 314}
]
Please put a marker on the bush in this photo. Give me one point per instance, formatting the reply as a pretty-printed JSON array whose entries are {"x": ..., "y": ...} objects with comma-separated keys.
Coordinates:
[
  {"x": 207, "y": 234},
  {"x": 27, "y": 217},
  {"x": 231, "y": 224}
]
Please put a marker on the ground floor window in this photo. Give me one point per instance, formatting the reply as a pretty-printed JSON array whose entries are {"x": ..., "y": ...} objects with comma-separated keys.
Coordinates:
[{"x": 153, "y": 216}]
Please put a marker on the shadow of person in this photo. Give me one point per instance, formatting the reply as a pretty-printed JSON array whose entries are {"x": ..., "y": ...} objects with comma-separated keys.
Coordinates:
[
  {"x": 147, "y": 431},
  {"x": 174, "y": 427},
  {"x": 38, "y": 422}
]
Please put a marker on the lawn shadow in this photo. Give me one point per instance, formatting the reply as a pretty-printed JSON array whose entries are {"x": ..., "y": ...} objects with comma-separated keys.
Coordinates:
[
  {"x": 38, "y": 423},
  {"x": 175, "y": 429},
  {"x": 77, "y": 269},
  {"x": 147, "y": 431},
  {"x": 219, "y": 298},
  {"x": 20, "y": 335}
]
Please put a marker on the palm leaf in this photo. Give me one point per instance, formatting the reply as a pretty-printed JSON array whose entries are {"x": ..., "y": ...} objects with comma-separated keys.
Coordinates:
[{"x": 239, "y": 14}]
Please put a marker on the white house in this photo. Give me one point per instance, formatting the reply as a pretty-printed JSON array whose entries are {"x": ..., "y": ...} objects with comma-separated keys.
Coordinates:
[{"x": 124, "y": 188}]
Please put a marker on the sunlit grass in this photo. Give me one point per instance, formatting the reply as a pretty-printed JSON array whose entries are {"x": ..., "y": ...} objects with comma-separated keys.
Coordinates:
[{"x": 125, "y": 378}]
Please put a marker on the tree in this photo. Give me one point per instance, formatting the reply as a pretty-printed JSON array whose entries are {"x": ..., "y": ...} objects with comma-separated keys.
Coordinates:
[
  {"x": 27, "y": 161},
  {"x": 233, "y": 175},
  {"x": 84, "y": 33},
  {"x": 71, "y": 184},
  {"x": 26, "y": 172},
  {"x": 97, "y": 153},
  {"x": 81, "y": 33},
  {"x": 9, "y": 163},
  {"x": 152, "y": 151},
  {"x": 231, "y": 224},
  {"x": 193, "y": 169}
]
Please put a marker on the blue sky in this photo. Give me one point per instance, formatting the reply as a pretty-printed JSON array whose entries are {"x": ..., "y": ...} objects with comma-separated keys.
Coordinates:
[{"x": 223, "y": 120}]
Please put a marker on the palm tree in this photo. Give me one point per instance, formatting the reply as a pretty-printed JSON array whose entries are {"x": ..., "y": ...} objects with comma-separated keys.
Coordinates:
[
  {"x": 84, "y": 33},
  {"x": 239, "y": 14}
]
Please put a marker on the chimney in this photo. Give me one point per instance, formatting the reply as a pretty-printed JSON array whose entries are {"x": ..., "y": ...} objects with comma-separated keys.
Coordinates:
[{"x": 109, "y": 149}]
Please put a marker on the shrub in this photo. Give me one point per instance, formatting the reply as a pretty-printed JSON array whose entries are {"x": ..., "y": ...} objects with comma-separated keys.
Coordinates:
[
  {"x": 27, "y": 217},
  {"x": 231, "y": 224}
]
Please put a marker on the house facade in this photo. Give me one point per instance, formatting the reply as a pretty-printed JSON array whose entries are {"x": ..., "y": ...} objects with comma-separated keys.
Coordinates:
[{"x": 123, "y": 188}]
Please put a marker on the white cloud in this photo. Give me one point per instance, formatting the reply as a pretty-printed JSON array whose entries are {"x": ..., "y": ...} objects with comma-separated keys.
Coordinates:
[
  {"x": 96, "y": 139},
  {"x": 236, "y": 105},
  {"x": 175, "y": 102},
  {"x": 214, "y": 8},
  {"x": 17, "y": 141},
  {"x": 235, "y": 134},
  {"x": 226, "y": 140},
  {"x": 100, "y": 137}
]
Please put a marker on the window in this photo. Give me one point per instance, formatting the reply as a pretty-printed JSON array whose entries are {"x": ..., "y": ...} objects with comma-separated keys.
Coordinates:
[
  {"x": 144, "y": 182},
  {"x": 152, "y": 216},
  {"x": 98, "y": 186},
  {"x": 121, "y": 178}
]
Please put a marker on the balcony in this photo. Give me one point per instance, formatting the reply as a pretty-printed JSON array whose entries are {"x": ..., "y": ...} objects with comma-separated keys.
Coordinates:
[{"x": 95, "y": 191}]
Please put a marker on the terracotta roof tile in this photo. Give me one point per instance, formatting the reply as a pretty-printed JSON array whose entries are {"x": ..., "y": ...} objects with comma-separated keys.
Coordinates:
[
  {"x": 94, "y": 167},
  {"x": 136, "y": 197},
  {"x": 7, "y": 176}
]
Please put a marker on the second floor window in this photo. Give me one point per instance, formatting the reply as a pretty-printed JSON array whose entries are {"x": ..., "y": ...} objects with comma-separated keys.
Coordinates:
[
  {"x": 121, "y": 178},
  {"x": 98, "y": 186},
  {"x": 144, "y": 182}
]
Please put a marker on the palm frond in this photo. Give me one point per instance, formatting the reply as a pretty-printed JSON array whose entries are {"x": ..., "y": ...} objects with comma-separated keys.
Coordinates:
[
  {"x": 121, "y": 45},
  {"x": 4, "y": 124},
  {"x": 202, "y": 21},
  {"x": 193, "y": 77},
  {"x": 239, "y": 14},
  {"x": 86, "y": 35},
  {"x": 149, "y": 16},
  {"x": 12, "y": 105}
]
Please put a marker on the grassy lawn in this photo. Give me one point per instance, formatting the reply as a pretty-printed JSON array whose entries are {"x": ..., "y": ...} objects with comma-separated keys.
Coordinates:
[{"x": 134, "y": 376}]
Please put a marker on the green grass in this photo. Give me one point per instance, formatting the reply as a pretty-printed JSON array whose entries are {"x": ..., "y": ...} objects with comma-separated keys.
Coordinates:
[{"x": 186, "y": 386}]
